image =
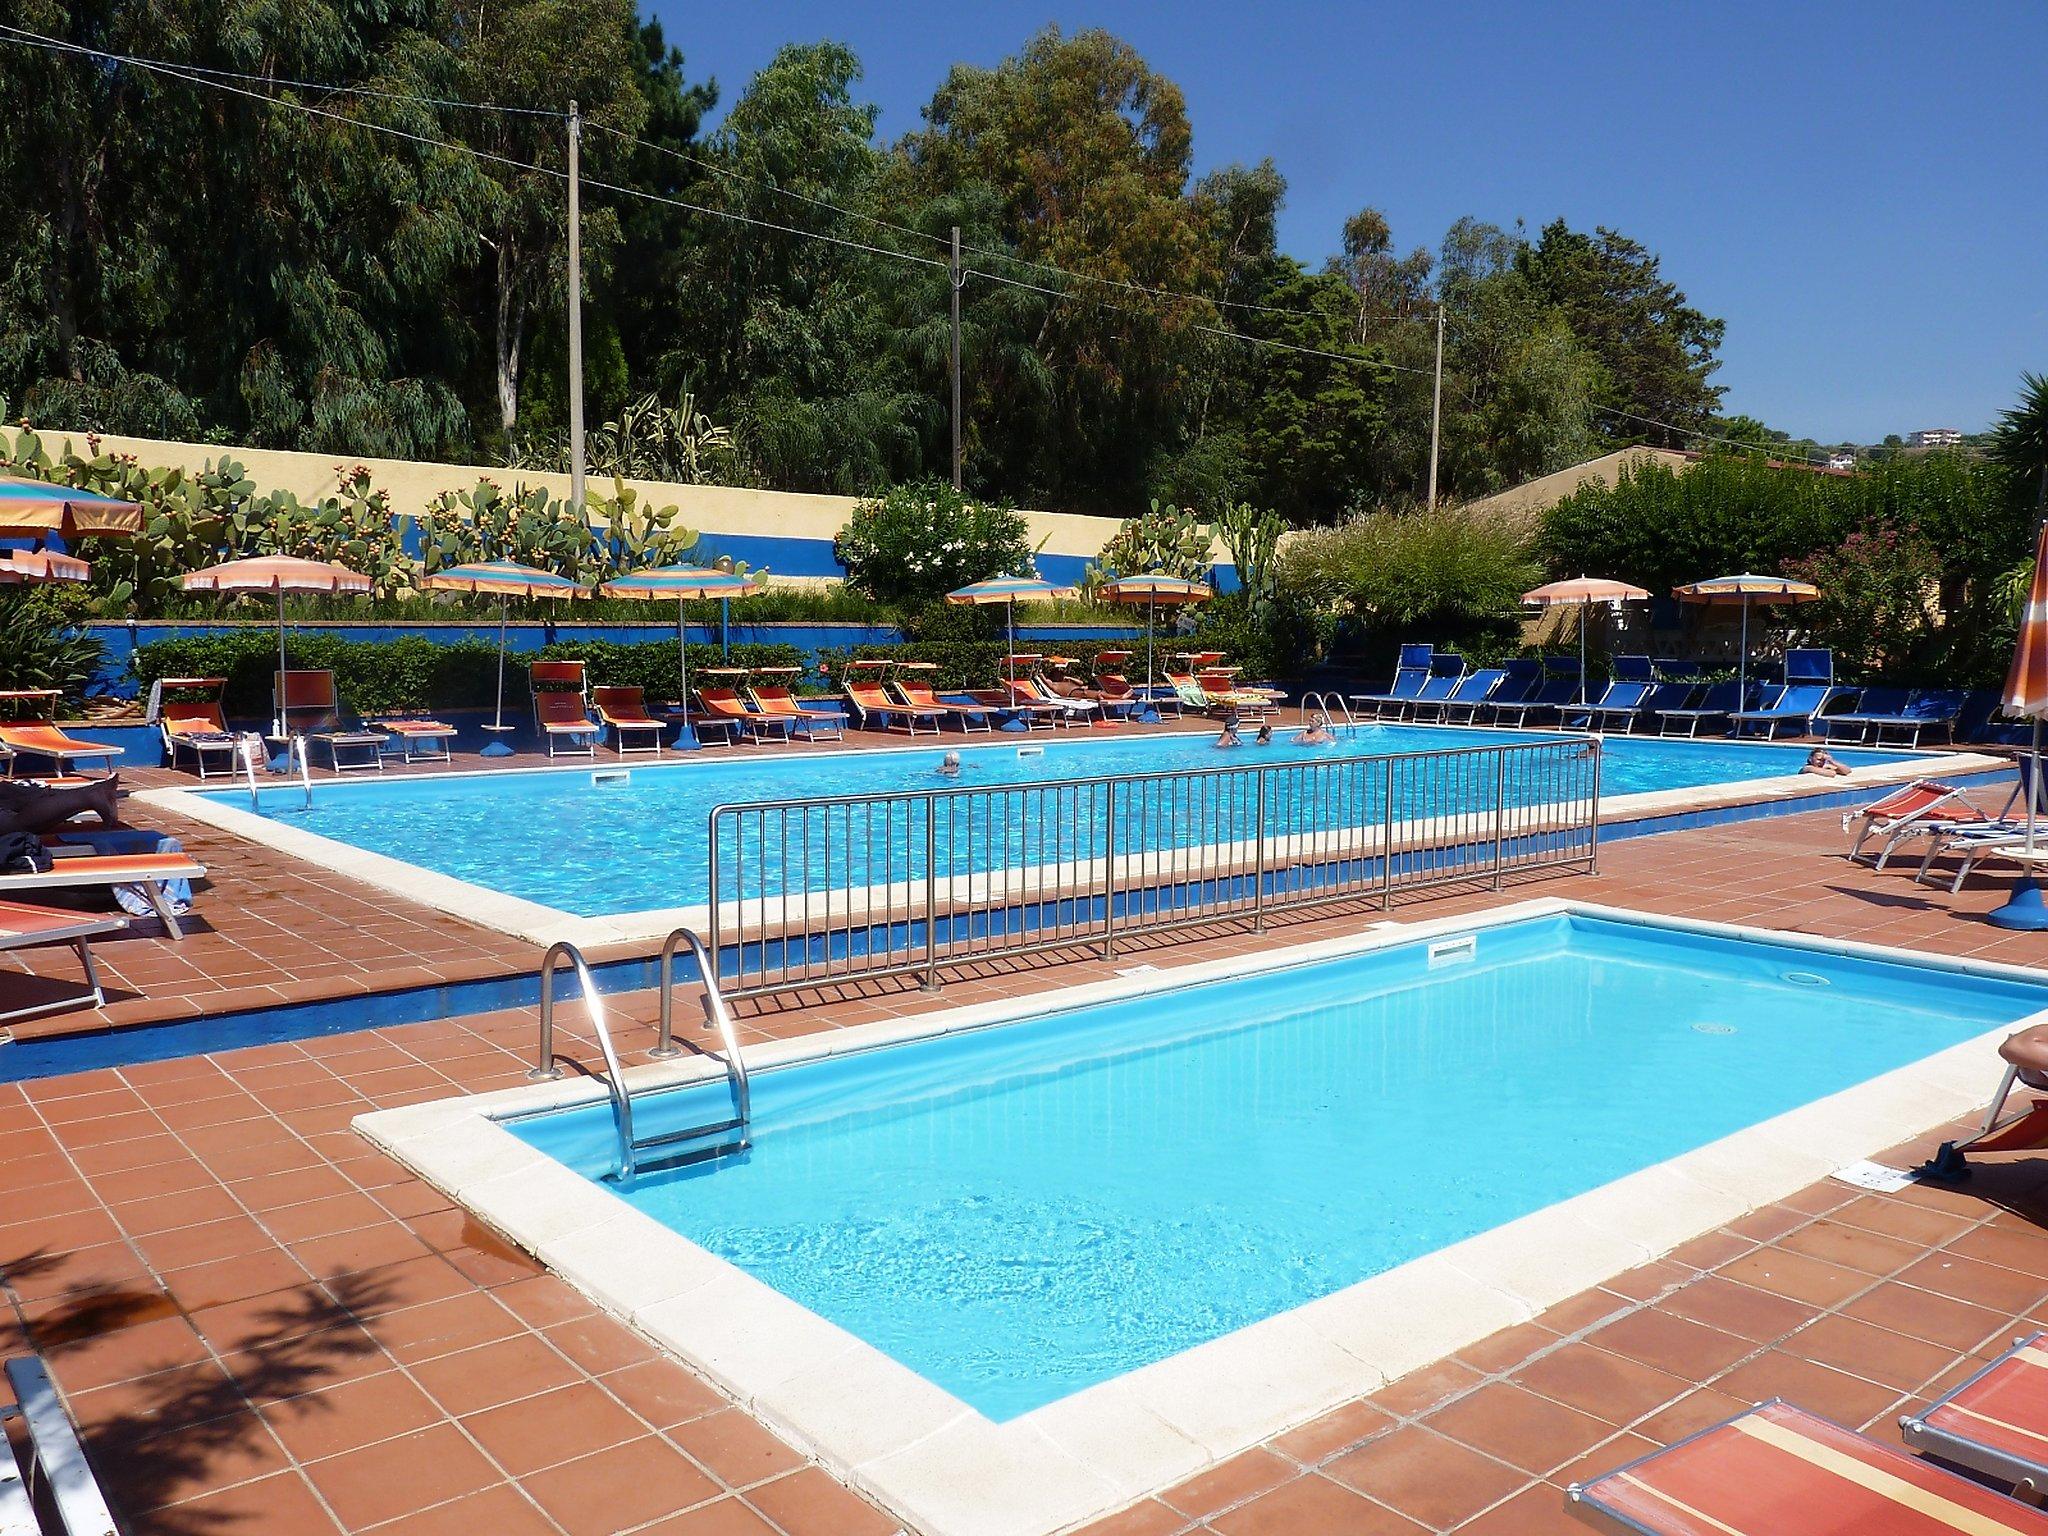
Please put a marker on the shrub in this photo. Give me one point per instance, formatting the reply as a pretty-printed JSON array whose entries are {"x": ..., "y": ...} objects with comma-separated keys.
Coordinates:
[
  {"x": 1165, "y": 539},
  {"x": 915, "y": 543},
  {"x": 41, "y": 648},
  {"x": 961, "y": 663},
  {"x": 651, "y": 664}
]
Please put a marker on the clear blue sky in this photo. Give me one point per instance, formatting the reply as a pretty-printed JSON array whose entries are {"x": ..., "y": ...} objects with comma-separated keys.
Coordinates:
[{"x": 1860, "y": 190}]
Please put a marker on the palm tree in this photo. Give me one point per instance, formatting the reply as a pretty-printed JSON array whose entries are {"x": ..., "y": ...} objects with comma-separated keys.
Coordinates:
[{"x": 2020, "y": 440}]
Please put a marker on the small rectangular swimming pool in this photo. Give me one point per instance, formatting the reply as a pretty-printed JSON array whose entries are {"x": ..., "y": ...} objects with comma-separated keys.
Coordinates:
[
  {"x": 1018, "y": 1214},
  {"x": 633, "y": 838}
]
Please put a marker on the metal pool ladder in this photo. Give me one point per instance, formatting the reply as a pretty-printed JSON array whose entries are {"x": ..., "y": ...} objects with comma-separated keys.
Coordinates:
[
  {"x": 1335, "y": 708},
  {"x": 690, "y": 1143}
]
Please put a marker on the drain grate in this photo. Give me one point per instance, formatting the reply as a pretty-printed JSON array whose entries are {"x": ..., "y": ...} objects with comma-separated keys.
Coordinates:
[
  {"x": 1713, "y": 1029},
  {"x": 1805, "y": 979}
]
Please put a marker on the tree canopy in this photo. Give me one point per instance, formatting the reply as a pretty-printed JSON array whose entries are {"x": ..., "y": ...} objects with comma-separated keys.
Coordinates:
[{"x": 375, "y": 265}]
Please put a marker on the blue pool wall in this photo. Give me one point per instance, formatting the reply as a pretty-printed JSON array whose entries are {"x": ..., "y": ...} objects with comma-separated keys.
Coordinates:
[{"x": 23, "y": 1060}]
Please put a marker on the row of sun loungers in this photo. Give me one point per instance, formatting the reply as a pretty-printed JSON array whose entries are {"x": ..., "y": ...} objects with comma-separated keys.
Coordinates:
[{"x": 1433, "y": 686}]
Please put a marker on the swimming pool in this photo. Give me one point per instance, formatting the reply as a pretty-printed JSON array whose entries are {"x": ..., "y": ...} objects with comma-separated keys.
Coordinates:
[
  {"x": 1018, "y": 1214},
  {"x": 1011, "y": 1266},
  {"x": 605, "y": 839}
]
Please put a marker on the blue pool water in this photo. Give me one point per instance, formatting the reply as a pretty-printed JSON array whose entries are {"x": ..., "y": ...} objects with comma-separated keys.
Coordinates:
[
  {"x": 1022, "y": 1212},
  {"x": 565, "y": 842}
]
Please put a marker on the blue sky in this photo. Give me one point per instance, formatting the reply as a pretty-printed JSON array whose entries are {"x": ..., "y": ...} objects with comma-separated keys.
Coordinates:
[{"x": 1861, "y": 190}]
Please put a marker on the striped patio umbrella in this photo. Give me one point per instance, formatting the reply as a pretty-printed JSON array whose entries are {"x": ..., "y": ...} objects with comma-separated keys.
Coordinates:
[
  {"x": 1744, "y": 590},
  {"x": 504, "y": 579},
  {"x": 681, "y": 583},
  {"x": 2026, "y": 694},
  {"x": 276, "y": 574},
  {"x": 38, "y": 507},
  {"x": 1009, "y": 591},
  {"x": 1153, "y": 589},
  {"x": 41, "y": 565},
  {"x": 1582, "y": 592}
]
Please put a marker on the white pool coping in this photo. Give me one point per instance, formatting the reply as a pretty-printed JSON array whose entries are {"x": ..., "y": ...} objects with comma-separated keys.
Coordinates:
[
  {"x": 945, "y": 1469},
  {"x": 545, "y": 925}
]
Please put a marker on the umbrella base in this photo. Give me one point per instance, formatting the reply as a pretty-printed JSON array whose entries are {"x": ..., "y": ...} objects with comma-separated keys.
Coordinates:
[
  {"x": 1147, "y": 716},
  {"x": 686, "y": 740},
  {"x": 1015, "y": 723},
  {"x": 495, "y": 749},
  {"x": 2025, "y": 910}
]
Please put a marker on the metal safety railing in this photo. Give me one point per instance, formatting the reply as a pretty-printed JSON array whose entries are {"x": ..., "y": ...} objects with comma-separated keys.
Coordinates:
[{"x": 823, "y": 891}]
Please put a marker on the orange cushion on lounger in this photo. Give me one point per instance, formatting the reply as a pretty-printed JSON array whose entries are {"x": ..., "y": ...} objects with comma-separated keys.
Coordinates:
[
  {"x": 23, "y": 926},
  {"x": 1780, "y": 1471}
]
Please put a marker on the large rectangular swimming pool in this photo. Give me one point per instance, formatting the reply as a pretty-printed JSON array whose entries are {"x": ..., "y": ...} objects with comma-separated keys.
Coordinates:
[
  {"x": 640, "y": 842},
  {"x": 1022, "y": 1212}
]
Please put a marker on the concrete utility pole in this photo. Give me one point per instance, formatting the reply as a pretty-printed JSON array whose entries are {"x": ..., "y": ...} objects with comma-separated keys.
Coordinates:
[
  {"x": 956, "y": 278},
  {"x": 575, "y": 312},
  {"x": 1436, "y": 406}
]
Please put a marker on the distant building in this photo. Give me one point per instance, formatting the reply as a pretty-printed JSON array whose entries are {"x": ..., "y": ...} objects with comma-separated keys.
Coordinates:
[
  {"x": 1841, "y": 461},
  {"x": 1936, "y": 437}
]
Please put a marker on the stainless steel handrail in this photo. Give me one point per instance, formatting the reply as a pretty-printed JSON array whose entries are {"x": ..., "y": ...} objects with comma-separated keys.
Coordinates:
[
  {"x": 545, "y": 1069},
  {"x": 304, "y": 754},
  {"x": 721, "y": 1017},
  {"x": 245, "y": 754}
]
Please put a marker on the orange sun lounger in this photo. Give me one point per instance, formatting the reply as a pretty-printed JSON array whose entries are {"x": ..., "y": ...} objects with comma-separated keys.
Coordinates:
[
  {"x": 145, "y": 871},
  {"x": 41, "y": 737},
  {"x": 26, "y": 927},
  {"x": 560, "y": 711},
  {"x": 1912, "y": 810},
  {"x": 1996, "y": 1422},
  {"x": 871, "y": 703},
  {"x": 726, "y": 712},
  {"x": 1780, "y": 1471},
  {"x": 624, "y": 709},
  {"x": 814, "y": 724}
]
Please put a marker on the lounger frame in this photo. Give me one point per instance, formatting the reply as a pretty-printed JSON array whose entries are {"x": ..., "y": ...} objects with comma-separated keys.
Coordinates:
[
  {"x": 1992, "y": 1461},
  {"x": 77, "y": 937}
]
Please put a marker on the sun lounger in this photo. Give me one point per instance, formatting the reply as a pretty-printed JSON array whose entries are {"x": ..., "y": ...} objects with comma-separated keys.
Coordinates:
[
  {"x": 1918, "y": 809},
  {"x": 1807, "y": 690},
  {"x": 1780, "y": 1471},
  {"x": 41, "y": 737},
  {"x": 1256, "y": 703},
  {"x": 148, "y": 872},
  {"x": 969, "y": 717},
  {"x": 1619, "y": 702},
  {"x": 811, "y": 724},
  {"x": 1871, "y": 706},
  {"x": 1472, "y": 690},
  {"x": 26, "y": 927},
  {"x": 1909, "y": 714},
  {"x": 1411, "y": 671},
  {"x": 561, "y": 708},
  {"x": 194, "y": 724},
  {"x": 1992, "y": 837},
  {"x": 1559, "y": 688},
  {"x": 420, "y": 738},
  {"x": 309, "y": 708},
  {"x": 1521, "y": 676},
  {"x": 724, "y": 711},
  {"x": 876, "y": 711},
  {"x": 1996, "y": 1422},
  {"x": 1669, "y": 696},
  {"x": 1035, "y": 690},
  {"x": 1715, "y": 705},
  {"x": 624, "y": 709}
]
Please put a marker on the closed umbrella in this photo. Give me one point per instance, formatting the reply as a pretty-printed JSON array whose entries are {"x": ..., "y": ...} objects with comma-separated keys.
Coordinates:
[
  {"x": 38, "y": 507},
  {"x": 276, "y": 574},
  {"x": 506, "y": 579},
  {"x": 681, "y": 583},
  {"x": 2026, "y": 693},
  {"x": 1742, "y": 591},
  {"x": 1153, "y": 589},
  {"x": 1582, "y": 592}
]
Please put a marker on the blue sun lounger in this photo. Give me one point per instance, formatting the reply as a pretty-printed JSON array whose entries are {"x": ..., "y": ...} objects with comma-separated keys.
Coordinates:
[
  {"x": 1446, "y": 671},
  {"x": 1715, "y": 705},
  {"x": 1622, "y": 699},
  {"x": 1896, "y": 709},
  {"x": 1472, "y": 691},
  {"x": 1520, "y": 677},
  {"x": 1809, "y": 685},
  {"x": 1410, "y": 673},
  {"x": 1560, "y": 687}
]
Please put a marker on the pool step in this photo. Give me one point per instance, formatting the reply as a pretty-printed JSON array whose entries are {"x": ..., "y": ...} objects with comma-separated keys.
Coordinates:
[{"x": 691, "y": 1144}]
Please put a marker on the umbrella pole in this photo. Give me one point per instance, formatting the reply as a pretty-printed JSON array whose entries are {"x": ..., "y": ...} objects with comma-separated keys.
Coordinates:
[
  {"x": 685, "y": 738},
  {"x": 725, "y": 629},
  {"x": 1585, "y": 613},
  {"x": 277, "y": 696},
  {"x": 1742, "y": 660},
  {"x": 1151, "y": 709},
  {"x": 498, "y": 714}
]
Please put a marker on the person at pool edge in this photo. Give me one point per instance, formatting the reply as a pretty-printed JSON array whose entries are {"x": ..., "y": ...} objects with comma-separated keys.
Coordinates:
[
  {"x": 1823, "y": 762},
  {"x": 1230, "y": 738}
]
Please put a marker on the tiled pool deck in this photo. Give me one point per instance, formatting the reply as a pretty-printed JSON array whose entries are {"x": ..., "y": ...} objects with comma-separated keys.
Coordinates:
[{"x": 266, "y": 1326}]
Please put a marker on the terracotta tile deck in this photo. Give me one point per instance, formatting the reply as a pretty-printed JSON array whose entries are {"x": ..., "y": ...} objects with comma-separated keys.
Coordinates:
[{"x": 266, "y": 1326}]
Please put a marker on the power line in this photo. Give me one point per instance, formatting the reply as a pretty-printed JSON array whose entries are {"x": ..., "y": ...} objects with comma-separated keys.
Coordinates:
[{"x": 220, "y": 80}]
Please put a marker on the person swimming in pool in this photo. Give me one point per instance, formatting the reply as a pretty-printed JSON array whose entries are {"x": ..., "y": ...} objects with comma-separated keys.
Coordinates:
[
  {"x": 1824, "y": 763},
  {"x": 1316, "y": 734},
  {"x": 1230, "y": 738},
  {"x": 1265, "y": 736},
  {"x": 949, "y": 766}
]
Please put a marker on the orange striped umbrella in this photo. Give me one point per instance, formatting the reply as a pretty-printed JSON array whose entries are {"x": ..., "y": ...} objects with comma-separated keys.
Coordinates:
[
  {"x": 2026, "y": 685},
  {"x": 1582, "y": 592},
  {"x": 277, "y": 574}
]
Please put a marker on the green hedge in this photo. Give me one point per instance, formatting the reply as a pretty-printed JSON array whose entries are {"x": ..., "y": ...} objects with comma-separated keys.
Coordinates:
[
  {"x": 974, "y": 663},
  {"x": 416, "y": 673}
]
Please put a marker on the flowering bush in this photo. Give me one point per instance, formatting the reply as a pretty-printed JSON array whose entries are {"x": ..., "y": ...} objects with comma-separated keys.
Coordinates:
[
  {"x": 1879, "y": 608},
  {"x": 915, "y": 543}
]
